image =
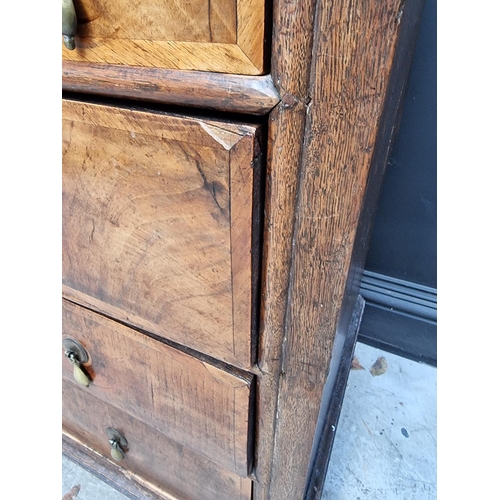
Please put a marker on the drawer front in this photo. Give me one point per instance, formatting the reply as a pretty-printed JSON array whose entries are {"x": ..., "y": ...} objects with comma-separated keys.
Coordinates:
[
  {"x": 157, "y": 224},
  {"x": 191, "y": 402},
  {"x": 225, "y": 36},
  {"x": 150, "y": 455}
]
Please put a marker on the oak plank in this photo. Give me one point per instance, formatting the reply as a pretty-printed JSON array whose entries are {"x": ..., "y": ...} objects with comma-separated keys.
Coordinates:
[
  {"x": 233, "y": 93},
  {"x": 292, "y": 39},
  {"x": 349, "y": 313},
  {"x": 331, "y": 404},
  {"x": 154, "y": 466},
  {"x": 147, "y": 224},
  {"x": 353, "y": 55},
  {"x": 183, "y": 398}
]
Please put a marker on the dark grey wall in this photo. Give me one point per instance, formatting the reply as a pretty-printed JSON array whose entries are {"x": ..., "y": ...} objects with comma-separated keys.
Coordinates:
[
  {"x": 403, "y": 242},
  {"x": 402, "y": 255}
]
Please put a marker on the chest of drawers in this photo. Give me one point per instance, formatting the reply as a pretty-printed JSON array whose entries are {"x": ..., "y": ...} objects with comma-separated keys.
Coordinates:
[{"x": 221, "y": 162}]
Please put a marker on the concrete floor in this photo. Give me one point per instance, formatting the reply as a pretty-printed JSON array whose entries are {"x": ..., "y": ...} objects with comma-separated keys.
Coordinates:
[
  {"x": 385, "y": 448},
  {"x": 78, "y": 484}
]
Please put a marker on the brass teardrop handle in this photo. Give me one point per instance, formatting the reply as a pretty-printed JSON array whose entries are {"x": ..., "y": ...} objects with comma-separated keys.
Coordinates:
[
  {"x": 118, "y": 444},
  {"x": 69, "y": 24},
  {"x": 77, "y": 355}
]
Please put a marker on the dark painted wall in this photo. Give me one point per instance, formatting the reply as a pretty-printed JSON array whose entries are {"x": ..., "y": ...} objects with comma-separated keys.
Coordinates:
[{"x": 403, "y": 244}]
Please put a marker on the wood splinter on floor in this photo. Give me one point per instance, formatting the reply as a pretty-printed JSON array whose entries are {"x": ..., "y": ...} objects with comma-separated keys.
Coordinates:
[
  {"x": 379, "y": 367},
  {"x": 72, "y": 493}
]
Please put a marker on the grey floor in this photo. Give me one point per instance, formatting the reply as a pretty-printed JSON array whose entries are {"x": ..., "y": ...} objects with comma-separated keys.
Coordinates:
[{"x": 385, "y": 448}]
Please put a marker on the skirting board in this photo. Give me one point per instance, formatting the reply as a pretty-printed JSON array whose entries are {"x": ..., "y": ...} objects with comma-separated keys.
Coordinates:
[{"x": 399, "y": 317}]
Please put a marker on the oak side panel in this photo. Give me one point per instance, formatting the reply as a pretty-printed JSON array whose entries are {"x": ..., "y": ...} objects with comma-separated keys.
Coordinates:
[
  {"x": 353, "y": 52},
  {"x": 292, "y": 37},
  {"x": 183, "y": 398},
  {"x": 151, "y": 458},
  {"x": 349, "y": 314},
  {"x": 254, "y": 95},
  {"x": 150, "y": 225}
]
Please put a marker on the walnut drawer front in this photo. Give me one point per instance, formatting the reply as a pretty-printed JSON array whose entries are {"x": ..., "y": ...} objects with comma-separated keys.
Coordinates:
[
  {"x": 225, "y": 36},
  {"x": 150, "y": 456},
  {"x": 157, "y": 224},
  {"x": 189, "y": 401}
]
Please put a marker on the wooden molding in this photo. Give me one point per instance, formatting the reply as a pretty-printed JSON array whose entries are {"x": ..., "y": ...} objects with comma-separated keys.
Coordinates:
[{"x": 254, "y": 95}]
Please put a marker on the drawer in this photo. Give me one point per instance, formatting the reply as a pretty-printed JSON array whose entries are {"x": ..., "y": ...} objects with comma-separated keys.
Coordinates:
[
  {"x": 158, "y": 224},
  {"x": 150, "y": 455},
  {"x": 187, "y": 400},
  {"x": 224, "y": 36}
]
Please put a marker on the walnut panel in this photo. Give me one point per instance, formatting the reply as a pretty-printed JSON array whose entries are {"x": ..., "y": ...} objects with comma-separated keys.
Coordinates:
[
  {"x": 185, "y": 399},
  {"x": 157, "y": 224}
]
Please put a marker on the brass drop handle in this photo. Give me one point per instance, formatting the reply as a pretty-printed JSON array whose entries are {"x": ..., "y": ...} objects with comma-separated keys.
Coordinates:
[
  {"x": 78, "y": 374},
  {"x": 69, "y": 24},
  {"x": 118, "y": 444},
  {"x": 77, "y": 355}
]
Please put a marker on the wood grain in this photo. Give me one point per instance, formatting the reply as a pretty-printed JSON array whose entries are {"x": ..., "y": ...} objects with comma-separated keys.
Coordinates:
[
  {"x": 386, "y": 133},
  {"x": 152, "y": 460},
  {"x": 196, "y": 20},
  {"x": 251, "y": 24},
  {"x": 353, "y": 51},
  {"x": 221, "y": 35},
  {"x": 123, "y": 480},
  {"x": 293, "y": 25},
  {"x": 331, "y": 65},
  {"x": 183, "y": 398},
  {"x": 157, "y": 223},
  {"x": 331, "y": 406},
  {"x": 254, "y": 95}
]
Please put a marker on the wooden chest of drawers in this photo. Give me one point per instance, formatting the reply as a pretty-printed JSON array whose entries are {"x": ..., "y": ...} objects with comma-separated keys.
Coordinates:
[{"x": 220, "y": 162}]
